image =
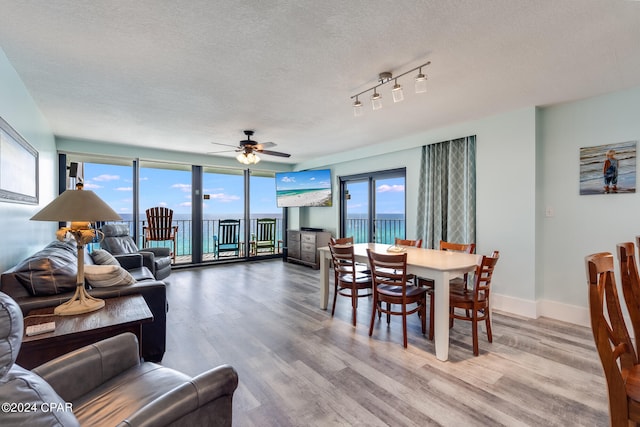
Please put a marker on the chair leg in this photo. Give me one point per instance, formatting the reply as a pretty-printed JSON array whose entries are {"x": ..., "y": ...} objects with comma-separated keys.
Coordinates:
[
  {"x": 488, "y": 322},
  {"x": 431, "y": 316},
  {"x": 354, "y": 304},
  {"x": 474, "y": 333},
  {"x": 388, "y": 314},
  {"x": 404, "y": 326},
  {"x": 423, "y": 310},
  {"x": 373, "y": 312},
  {"x": 335, "y": 297}
]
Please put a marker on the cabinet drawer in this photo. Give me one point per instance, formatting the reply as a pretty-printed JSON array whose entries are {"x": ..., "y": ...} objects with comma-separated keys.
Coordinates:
[
  {"x": 308, "y": 238},
  {"x": 308, "y": 256},
  {"x": 293, "y": 236},
  {"x": 308, "y": 248}
]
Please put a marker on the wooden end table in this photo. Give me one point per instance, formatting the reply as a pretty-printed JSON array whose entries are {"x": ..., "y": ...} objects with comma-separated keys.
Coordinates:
[{"x": 121, "y": 314}]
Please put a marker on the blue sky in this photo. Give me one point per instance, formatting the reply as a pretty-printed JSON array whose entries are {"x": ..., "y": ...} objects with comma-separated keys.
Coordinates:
[{"x": 172, "y": 188}]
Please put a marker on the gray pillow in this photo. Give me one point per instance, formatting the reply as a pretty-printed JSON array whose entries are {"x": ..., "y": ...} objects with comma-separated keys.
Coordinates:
[
  {"x": 102, "y": 257},
  {"x": 102, "y": 276},
  {"x": 51, "y": 271}
]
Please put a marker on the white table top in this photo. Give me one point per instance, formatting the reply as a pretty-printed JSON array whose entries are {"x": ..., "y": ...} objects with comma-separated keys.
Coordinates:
[{"x": 419, "y": 257}]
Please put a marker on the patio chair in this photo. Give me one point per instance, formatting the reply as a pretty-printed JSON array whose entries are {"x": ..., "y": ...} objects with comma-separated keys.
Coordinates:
[
  {"x": 265, "y": 240},
  {"x": 160, "y": 228},
  {"x": 227, "y": 242}
]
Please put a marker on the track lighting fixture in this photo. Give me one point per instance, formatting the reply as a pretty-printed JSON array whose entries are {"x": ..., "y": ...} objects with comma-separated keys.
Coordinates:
[{"x": 396, "y": 92}]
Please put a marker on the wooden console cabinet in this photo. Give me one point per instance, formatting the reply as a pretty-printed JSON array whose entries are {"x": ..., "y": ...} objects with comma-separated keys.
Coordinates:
[{"x": 302, "y": 246}]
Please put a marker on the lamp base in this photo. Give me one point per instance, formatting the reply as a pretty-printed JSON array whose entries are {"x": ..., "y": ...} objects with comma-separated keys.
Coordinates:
[{"x": 80, "y": 303}]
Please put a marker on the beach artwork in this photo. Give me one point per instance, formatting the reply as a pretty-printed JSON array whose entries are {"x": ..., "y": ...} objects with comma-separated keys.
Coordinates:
[
  {"x": 608, "y": 169},
  {"x": 303, "y": 188}
]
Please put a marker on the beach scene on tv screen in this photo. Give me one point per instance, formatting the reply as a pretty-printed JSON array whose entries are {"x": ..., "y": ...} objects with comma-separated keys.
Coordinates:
[{"x": 304, "y": 188}]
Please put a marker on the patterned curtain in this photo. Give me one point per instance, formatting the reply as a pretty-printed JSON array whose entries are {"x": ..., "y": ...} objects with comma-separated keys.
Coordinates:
[{"x": 447, "y": 192}]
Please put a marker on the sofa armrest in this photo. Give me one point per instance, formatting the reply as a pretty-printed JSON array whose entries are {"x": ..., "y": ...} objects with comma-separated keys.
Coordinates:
[
  {"x": 205, "y": 400},
  {"x": 159, "y": 251},
  {"x": 76, "y": 373},
  {"x": 130, "y": 261}
]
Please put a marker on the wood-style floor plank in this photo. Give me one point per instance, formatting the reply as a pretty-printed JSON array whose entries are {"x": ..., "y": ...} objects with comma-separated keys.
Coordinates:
[{"x": 298, "y": 366}]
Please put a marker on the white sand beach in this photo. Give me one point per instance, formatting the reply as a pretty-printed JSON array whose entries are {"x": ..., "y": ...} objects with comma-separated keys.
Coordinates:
[{"x": 311, "y": 198}]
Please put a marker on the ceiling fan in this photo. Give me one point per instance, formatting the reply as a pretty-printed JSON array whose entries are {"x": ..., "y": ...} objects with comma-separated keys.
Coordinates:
[{"x": 248, "y": 147}]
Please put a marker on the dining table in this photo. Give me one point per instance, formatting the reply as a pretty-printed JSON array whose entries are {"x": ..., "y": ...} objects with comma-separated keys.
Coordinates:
[{"x": 439, "y": 266}]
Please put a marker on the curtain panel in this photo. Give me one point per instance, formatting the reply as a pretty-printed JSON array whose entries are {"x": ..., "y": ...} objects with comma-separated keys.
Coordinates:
[{"x": 447, "y": 192}]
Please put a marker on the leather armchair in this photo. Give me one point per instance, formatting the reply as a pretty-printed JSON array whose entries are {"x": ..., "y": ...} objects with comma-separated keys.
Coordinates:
[
  {"x": 106, "y": 384},
  {"x": 118, "y": 242}
]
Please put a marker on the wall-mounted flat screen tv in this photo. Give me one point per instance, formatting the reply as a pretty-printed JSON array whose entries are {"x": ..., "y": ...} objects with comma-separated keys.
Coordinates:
[{"x": 303, "y": 188}]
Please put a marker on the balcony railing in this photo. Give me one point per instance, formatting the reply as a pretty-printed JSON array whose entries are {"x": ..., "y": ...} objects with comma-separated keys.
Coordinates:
[{"x": 386, "y": 231}]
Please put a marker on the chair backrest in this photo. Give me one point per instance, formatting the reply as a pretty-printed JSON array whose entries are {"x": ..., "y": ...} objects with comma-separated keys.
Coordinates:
[
  {"x": 483, "y": 276},
  {"x": 406, "y": 242},
  {"x": 458, "y": 247},
  {"x": 117, "y": 240},
  {"x": 229, "y": 232},
  {"x": 610, "y": 332},
  {"x": 341, "y": 240},
  {"x": 630, "y": 286},
  {"x": 266, "y": 230},
  {"x": 388, "y": 269},
  {"x": 343, "y": 259},
  {"x": 160, "y": 226}
]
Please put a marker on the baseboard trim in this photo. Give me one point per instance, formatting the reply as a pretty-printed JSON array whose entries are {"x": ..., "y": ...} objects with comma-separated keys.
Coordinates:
[{"x": 534, "y": 309}]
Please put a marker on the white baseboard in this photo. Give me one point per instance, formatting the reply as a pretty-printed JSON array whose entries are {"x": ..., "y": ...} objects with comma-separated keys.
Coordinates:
[{"x": 534, "y": 309}]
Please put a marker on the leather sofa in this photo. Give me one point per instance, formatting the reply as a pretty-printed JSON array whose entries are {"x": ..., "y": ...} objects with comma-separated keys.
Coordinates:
[
  {"x": 105, "y": 384},
  {"x": 47, "y": 279},
  {"x": 118, "y": 242}
]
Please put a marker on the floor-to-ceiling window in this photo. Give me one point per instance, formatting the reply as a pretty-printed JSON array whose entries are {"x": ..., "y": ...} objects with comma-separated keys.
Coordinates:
[
  {"x": 168, "y": 185},
  {"x": 263, "y": 205},
  {"x": 373, "y": 206},
  {"x": 223, "y": 202},
  {"x": 206, "y": 194}
]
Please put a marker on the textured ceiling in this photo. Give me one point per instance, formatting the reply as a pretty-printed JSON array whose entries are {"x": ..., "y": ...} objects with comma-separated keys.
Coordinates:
[{"x": 178, "y": 75}]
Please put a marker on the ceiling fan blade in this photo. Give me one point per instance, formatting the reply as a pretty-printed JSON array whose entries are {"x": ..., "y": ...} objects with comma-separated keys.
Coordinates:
[
  {"x": 274, "y": 153},
  {"x": 263, "y": 145},
  {"x": 224, "y": 151},
  {"x": 226, "y": 145}
]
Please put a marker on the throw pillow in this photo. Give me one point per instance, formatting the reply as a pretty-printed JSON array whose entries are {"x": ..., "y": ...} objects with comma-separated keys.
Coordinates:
[
  {"x": 102, "y": 276},
  {"x": 102, "y": 257},
  {"x": 50, "y": 271}
]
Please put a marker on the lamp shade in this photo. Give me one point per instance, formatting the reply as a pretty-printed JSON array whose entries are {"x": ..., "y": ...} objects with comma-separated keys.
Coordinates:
[{"x": 77, "y": 206}]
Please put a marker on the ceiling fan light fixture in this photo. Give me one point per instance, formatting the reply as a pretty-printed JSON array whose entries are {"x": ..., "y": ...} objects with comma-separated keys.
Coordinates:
[{"x": 248, "y": 158}]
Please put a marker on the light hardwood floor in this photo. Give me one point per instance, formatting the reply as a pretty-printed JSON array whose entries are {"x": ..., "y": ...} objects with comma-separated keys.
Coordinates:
[{"x": 298, "y": 366}]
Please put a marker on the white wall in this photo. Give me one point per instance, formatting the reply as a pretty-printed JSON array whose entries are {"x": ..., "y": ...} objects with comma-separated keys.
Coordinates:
[
  {"x": 506, "y": 202},
  {"x": 582, "y": 224},
  {"x": 21, "y": 237}
]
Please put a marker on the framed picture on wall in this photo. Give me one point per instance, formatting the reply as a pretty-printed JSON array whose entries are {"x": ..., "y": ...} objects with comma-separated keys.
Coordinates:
[
  {"x": 608, "y": 169},
  {"x": 18, "y": 167}
]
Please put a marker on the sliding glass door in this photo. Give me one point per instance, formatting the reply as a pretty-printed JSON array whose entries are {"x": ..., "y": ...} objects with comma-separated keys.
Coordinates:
[{"x": 373, "y": 206}]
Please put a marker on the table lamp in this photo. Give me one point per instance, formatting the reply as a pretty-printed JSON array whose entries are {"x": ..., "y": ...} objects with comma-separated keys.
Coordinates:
[{"x": 81, "y": 208}]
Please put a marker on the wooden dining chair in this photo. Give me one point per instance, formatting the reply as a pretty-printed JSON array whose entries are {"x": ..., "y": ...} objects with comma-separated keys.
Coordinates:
[
  {"x": 347, "y": 280},
  {"x": 160, "y": 228},
  {"x": 457, "y": 282},
  {"x": 360, "y": 267},
  {"x": 390, "y": 286},
  {"x": 613, "y": 342},
  {"x": 630, "y": 286},
  {"x": 408, "y": 242},
  {"x": 476, "y": 301}
]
